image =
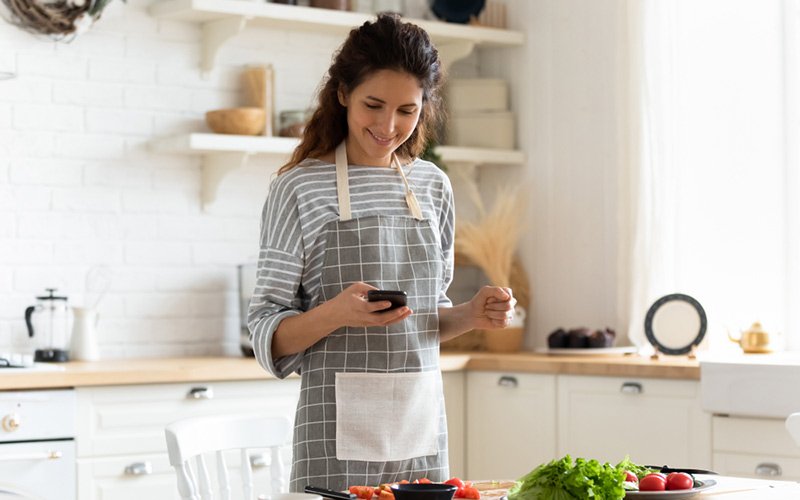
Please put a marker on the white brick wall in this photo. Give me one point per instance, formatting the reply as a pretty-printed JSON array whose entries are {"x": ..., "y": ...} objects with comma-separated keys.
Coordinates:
[{"x": 79, "y": 188}]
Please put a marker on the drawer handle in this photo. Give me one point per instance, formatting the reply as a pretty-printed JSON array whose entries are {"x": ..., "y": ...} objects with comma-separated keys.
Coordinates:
[
  {"x": 508, "y": 381},
  {"x": 200, "y": 393},
  {"x": 631, "y": 388},
  {"x": 260, "y": 460},
  {"x": 768, "y": 469},
  {"x": 139, "y": 469}
]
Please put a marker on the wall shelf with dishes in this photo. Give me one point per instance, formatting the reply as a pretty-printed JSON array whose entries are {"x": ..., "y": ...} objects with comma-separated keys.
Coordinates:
[
  {"x": 223, "y": 154},
  {"x": 223, "y": 19}
]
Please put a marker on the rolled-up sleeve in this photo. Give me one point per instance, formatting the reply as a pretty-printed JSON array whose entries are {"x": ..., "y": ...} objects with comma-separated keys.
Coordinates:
[{"x": 277, "y": 294}]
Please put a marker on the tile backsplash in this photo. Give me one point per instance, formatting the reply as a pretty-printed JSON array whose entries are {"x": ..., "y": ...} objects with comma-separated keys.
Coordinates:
[{"x": 80, "y": 188}]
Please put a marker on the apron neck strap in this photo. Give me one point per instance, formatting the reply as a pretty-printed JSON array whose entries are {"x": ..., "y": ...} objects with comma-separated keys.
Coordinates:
[{"x": 343, "y": 186}]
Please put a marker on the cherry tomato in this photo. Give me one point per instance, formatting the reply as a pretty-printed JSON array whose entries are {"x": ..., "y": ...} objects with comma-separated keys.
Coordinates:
[
  {"x": 679, "y": 481},
  {"x": 458, "y": 483},
  {"x": 653, "y": 482},
  {"x": 425, "y": 480},
  {"x": 364, "y": 492},
  {"x": 631, "y": 477},
  {"x": 471, "y": 493}
]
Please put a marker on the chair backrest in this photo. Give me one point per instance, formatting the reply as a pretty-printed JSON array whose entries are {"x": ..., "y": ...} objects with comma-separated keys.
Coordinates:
[
  {"x": 191, "y": 438},
  {"x": 793, "y": 426}
]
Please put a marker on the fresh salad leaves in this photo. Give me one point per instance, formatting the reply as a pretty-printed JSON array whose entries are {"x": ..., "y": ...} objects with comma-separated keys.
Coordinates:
[
  {"x": 639, "y": 470},
  {"x": 564, "y": 480}
]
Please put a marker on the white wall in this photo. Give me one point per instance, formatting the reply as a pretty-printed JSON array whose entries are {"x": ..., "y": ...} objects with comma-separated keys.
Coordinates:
[
  {"x": 568, "y": 86},
  {"x": 79, "y": 188}
]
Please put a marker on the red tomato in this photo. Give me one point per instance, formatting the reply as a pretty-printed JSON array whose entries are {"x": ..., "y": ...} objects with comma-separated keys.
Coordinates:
[
  {"x": 679, "y": 481},
  {"x": 403, "y": 481},
  {"x": 653, "y": 482},
  {"x": 471, "y": 493},
  {"x": 631, "y": 477},
  {"x": 455, "y": 482},
  {"x": 364, "y": 492}
]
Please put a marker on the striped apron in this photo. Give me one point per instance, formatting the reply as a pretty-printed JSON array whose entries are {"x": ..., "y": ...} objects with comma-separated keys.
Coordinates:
[{"x": 371, "y": 406}]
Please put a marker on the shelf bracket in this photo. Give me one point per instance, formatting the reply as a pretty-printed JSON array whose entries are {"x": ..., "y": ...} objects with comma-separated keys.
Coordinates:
[
  {"x": 217, "y": 166},
  {"x": 215, "y": 34},
  {"x": 451, "y": 52}
]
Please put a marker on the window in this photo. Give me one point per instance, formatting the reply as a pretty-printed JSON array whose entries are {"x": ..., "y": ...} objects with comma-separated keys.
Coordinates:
[{"x": 716, "y": 184}]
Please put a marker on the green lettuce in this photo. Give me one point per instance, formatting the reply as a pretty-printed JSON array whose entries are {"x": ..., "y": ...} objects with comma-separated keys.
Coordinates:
[{"x": 562, "y": 479}]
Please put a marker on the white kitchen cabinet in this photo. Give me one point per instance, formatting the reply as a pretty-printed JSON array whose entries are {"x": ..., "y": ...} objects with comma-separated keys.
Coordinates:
[
  {"x": 454, "y": 395},
  {"x": 654, "y": 421},
  {"x": 754, "y": 447},
  {"x": 121, "y": 448},
  {"x": 511, "y": 422}
]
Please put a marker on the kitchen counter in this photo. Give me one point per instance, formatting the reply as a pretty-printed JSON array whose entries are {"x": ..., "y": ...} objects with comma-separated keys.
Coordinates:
[{"x": 176, "y": 370}]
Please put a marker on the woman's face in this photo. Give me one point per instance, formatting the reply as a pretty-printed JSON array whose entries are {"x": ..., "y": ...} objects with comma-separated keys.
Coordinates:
[{"x": 382, "y": 113}]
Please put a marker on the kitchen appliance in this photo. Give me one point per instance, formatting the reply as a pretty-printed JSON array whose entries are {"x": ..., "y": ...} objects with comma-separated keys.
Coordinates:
[
  {"x": 50, "y": 322},
  {"x": 753, "y": 340},
  {"x": 37, "y": 444},
  {"x": 247, "y": 283}
]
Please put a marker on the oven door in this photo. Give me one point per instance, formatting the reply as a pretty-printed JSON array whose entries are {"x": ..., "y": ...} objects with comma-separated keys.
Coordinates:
[{"x": 42, "y": 470}]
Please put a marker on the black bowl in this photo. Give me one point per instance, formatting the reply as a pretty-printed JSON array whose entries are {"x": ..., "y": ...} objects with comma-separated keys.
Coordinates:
[{"x": 423, "y": 491}]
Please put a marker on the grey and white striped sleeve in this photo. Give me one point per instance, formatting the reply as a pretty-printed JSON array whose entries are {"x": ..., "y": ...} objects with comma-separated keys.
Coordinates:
[
  {"x": 280, "y": 269},
  {"x": 447, "y": 228}
]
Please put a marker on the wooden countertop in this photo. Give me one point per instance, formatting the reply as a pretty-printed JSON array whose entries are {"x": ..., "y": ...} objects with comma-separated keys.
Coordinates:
[{"x": 177, "y": 370}]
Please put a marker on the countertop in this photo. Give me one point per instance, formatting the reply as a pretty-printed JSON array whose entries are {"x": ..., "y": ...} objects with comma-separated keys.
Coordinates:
[{"x": 178, "y": 370}]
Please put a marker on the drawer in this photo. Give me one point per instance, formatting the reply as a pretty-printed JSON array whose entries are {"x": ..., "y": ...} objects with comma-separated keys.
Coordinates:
[
  {"x": 757, "y": 466},
  {"x": 150, "y": 476},
  {"x": 124, "y": 420},
  {"x": 760, "y": 436}
]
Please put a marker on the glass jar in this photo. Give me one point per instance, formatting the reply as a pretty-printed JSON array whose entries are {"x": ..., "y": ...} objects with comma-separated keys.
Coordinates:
[{"x": 292, "y": 123}]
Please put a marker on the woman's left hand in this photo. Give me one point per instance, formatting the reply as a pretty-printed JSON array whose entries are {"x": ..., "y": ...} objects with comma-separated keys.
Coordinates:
[{"x": 492, "y": 307}]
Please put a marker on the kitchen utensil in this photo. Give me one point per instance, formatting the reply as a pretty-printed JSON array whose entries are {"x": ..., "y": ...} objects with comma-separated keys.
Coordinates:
[
  {"x": 326, "y": 493},
  {"x": 673, "y": 494},
  {"x": 666, "y": 470},
  {"x": 423, "y": 491},
  {"x": 754, "y": 340},
  {"x": 238, "y": 121},
  {"x": 83, "y": 346},
  {"x": 49, "y": 320}
]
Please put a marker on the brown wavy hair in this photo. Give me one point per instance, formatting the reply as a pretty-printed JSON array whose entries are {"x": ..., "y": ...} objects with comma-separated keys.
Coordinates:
[{"x": 386, "y": 43}]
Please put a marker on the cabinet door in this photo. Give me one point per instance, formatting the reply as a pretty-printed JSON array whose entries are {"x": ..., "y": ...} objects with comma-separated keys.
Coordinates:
[
  {"x": 510, "y": 423},
  {"x": 122, "y": 420},
  {"x": 755, "y": 447},
  {"x": 653, "y": 421},
  {"x": 149, "y": 476},
  {"x": 454, "y": 386}
]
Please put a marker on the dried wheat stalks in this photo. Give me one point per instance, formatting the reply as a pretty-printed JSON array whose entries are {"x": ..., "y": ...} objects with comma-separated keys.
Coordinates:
[{"x": 491, "y": 242}]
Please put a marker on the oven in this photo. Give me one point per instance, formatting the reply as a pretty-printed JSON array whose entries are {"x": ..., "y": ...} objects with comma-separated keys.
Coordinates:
[{"x": 37, "y": 445}]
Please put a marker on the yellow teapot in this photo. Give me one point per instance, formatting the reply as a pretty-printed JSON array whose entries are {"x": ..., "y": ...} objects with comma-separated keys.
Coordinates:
[{"x": 753, "y": 340}]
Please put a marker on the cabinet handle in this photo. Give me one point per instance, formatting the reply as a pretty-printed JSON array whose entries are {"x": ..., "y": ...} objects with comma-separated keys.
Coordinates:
[
  {"x": 259, "y": 460},
  {"x": 200, "y": 393},
  {"x": 139, "y": 469},
  {"x": 631, "y": 388},
  {"x": 768, "y": 469},
  {"x": 508, "y": 381}
]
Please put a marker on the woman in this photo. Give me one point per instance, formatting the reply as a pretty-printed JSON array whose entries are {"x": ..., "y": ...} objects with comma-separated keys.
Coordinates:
[{"x": 355, "y": 210}]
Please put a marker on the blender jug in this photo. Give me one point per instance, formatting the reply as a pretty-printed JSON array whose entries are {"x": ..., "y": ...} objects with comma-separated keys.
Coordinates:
[{"x": 49, "y": 322}]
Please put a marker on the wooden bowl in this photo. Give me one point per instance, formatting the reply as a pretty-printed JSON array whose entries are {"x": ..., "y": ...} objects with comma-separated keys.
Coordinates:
[{"x": 239, "y": 121}]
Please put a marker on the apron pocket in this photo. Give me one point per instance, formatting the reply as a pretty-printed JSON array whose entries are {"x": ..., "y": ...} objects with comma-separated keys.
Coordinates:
[{"x": 384, "y": 417}]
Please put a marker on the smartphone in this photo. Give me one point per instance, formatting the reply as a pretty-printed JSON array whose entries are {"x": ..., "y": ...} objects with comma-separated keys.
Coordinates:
[{"x": 396, "y": 297}]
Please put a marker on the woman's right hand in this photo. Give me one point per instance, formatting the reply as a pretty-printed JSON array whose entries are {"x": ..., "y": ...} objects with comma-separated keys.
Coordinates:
[{"x": 351, "y": 308}]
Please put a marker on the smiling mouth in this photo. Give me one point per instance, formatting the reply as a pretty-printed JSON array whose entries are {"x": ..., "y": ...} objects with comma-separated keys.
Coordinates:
[{"x": 379, "y": 139}]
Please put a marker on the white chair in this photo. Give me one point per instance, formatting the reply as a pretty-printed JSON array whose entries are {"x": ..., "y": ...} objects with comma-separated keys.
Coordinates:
[
  {"x": 191, "y": 438},
  {"x": 793, "y": 426}
]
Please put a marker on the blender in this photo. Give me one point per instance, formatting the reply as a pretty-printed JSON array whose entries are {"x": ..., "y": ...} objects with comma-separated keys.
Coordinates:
[{"x": 49, "y": 322}]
